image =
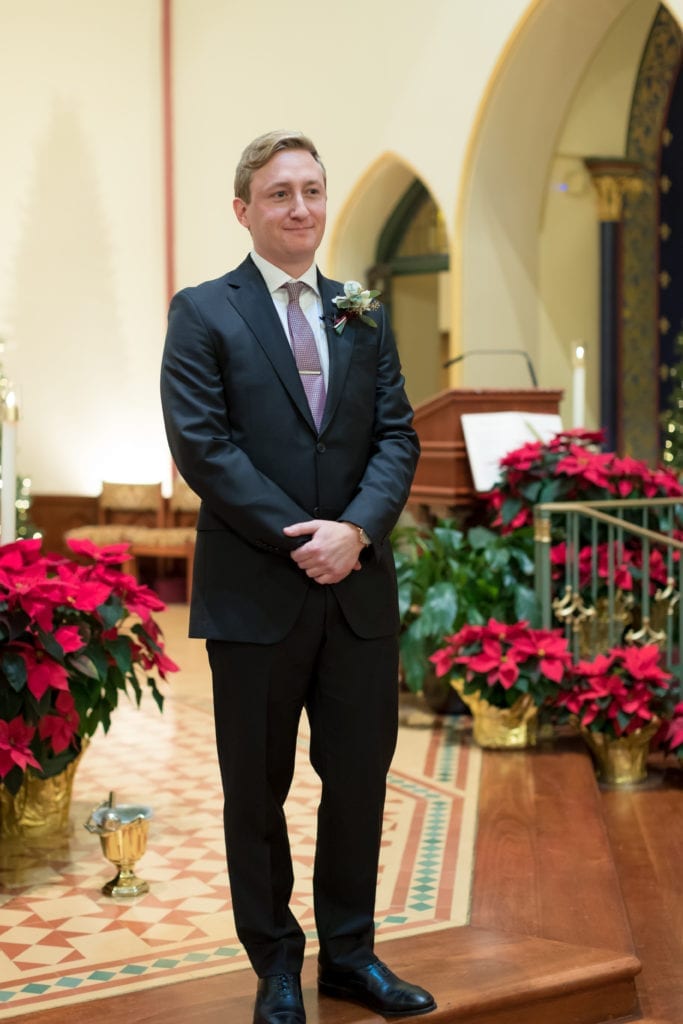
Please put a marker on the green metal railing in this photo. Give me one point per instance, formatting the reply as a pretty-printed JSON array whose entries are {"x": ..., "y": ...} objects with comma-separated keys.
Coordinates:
[{"x": 606, "y": 575}]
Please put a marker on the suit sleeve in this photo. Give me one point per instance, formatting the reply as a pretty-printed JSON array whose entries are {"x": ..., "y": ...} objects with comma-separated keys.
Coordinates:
[
  {"x": 385, "y": 485},
  {"x": 198, "y": 431}
]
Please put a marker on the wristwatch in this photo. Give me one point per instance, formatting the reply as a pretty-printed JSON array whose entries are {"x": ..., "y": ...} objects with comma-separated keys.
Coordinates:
[{"x": 363, "y": 537}]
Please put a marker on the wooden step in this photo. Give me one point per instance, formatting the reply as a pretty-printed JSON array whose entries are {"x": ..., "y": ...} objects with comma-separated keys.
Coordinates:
[
  {"x": 476, "y": 976},
  {"x": 543, "y": 863}
]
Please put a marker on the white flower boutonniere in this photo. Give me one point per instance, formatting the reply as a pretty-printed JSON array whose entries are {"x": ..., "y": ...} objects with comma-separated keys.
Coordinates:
[{"x": 354, "y": 305}]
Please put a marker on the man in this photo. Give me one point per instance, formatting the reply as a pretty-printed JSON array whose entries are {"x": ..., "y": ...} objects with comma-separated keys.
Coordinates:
[{"x": 299, "y": 441}]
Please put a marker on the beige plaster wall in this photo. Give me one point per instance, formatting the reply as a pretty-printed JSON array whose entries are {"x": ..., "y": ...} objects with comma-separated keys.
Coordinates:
[
  {"x": 82, "y": 296},
  {"x": 472, "y": 97},
  {"x": 367, "y": 82}
]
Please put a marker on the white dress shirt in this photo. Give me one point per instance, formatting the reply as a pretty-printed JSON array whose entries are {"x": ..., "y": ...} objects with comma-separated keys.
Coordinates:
[{"x": 310, "y": 302}]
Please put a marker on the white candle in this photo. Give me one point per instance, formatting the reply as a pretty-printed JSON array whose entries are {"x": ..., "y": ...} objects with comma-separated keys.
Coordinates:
[
  {"x": 8, "y": 511},
  {"x": 579, "y": 386}
]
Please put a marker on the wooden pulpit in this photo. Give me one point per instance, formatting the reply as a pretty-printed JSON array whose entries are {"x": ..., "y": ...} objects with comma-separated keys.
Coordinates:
[{"x": 443, "y": 482}]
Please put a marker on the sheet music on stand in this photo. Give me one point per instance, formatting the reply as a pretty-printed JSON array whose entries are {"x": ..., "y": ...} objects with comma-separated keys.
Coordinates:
[{"x": 489, "y": 436}]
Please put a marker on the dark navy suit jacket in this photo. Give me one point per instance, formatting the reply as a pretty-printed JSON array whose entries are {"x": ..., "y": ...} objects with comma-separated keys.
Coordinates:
[{"x": 241, "y": 433}]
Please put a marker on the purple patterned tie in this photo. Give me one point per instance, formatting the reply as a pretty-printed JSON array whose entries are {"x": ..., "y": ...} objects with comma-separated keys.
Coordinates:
[{"x": 305, "y": 351}]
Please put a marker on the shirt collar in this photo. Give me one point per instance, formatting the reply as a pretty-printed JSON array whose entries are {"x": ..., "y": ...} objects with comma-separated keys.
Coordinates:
[{"x": 275, "y": 277}]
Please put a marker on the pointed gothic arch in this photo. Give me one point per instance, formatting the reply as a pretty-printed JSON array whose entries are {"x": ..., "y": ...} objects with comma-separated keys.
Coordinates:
[{"x": 392, "y": 225}]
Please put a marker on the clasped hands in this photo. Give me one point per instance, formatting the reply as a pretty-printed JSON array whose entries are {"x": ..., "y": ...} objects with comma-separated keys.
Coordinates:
[{"x": 332, "y": 551}]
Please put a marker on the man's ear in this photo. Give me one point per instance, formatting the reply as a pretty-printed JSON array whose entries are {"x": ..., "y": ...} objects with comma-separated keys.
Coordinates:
[{"x": 240, "y": 208}]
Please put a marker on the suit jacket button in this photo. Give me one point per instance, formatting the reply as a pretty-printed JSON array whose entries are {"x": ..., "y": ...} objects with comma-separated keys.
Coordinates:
[{"x": 320, "y": 447}]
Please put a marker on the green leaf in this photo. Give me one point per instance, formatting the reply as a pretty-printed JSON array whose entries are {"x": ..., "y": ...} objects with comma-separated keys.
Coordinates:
[
  {"x": 449, "y": 538},
  {"x": 14, "y": 623},
  {"x": 135, "y": 685},
  {"x": 13, "y": 780},
  {"x": 531, "y": 491},
  {"x": 498, "y": 558},
  {"x": 156, "y": 692},
  {"x": 511, "y": 506},
  {"x": 405, "y": 600},
  {"x": 479, "y": 537},
  {"x": 56, "y": 763},
  {"x": 439, "y": 611},
  {"x": 413, "y": 660},
  {"x": 111, "y": 612},
  {"x": 146, "y": 638},
  {"x": 85, "y": 665},
  {"x": 51, "y": 646},
  {"x": 14, "y": 667},
  {"x": 120, "y": 649},
  {"x": 623, "y": 719},
  {"x": 527, "y": 605},
  {"x": 552, "y": 490}
]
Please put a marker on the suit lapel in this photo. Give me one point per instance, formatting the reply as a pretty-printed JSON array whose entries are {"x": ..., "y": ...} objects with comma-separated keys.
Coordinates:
[
  {"x": 340, "y": 347},
  {"x": 247, "y": 292}
]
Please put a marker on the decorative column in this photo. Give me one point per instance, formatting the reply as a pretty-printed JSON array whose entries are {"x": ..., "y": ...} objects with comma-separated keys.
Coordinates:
[{"x": 613, "y": 179}]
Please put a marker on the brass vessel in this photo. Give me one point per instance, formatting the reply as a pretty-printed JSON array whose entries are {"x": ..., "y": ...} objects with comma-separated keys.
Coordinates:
[{"x": 123, "y": 831}]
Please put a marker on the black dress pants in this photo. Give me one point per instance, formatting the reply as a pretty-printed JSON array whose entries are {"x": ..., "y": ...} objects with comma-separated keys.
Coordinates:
[{"x": 349, "y": 688}]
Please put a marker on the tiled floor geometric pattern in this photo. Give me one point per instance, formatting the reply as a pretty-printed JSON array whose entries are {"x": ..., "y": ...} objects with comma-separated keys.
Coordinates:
[{"x": 62, "y": 940}]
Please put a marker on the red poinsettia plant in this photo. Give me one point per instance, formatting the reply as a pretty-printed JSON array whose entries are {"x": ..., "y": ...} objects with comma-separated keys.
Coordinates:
[
  {"x": 570, "y": 467},
  {"x": 503, "y": 662},
  {"x": 618, "y": 692},
  {"x": 670, "y": 735},
  {"x": 74, "y": 635},
  {"x": 620, "y": 562}
]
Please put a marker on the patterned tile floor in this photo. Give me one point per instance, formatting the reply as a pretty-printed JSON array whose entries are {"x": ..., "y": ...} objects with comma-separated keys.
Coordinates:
[{"x": 62, "y": 940}]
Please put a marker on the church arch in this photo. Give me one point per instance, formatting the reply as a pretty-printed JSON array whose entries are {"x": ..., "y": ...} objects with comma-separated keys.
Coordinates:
[{"x": 508, "y": 293}]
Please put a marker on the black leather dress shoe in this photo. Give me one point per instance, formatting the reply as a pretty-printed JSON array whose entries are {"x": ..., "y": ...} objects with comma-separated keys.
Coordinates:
[
  {"x": 376, "y": 987},
  {"x": 279, "y": 1000}
]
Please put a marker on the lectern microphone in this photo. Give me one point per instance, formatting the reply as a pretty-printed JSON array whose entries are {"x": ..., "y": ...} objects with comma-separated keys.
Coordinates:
[{"x": 496, "y": 352}]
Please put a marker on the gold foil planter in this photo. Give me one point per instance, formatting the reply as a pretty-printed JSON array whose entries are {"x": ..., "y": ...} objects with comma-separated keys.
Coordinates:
[
  {"x": 40, "y": 808},
  {"x": 501, "y": 728},
  {"x": 623, "y": 761}
]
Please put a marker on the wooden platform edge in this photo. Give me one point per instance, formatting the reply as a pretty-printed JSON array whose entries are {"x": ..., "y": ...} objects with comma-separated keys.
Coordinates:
[{"x": 477, "y": 977}]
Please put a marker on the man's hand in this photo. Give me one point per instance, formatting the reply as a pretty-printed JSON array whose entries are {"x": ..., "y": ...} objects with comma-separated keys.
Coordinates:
[{"x": 331, "y": 553}]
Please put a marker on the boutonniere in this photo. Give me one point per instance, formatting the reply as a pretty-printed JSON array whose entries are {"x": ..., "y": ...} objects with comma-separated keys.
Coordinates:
[{"x": 354, "y": 305}]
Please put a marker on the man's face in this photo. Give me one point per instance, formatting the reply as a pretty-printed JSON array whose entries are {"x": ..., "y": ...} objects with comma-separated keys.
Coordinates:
[{"x": 286, "y": 211}]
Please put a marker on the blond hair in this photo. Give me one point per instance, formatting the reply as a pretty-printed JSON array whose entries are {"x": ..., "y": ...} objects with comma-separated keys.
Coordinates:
[{"x": 259, "y": 152}]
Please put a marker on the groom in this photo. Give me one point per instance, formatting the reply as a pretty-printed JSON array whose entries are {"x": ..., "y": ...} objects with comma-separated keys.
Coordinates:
[{"x": 298, "y": 438}]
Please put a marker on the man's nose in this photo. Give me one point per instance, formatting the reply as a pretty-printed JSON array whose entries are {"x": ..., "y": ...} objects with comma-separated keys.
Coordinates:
[{"x": 299, "y": 208}]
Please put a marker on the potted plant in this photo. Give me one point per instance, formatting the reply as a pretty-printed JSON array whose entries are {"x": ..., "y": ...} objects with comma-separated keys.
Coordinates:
[
  {"x": 448, "y": 577},
  {"x": 617, "y": 701},
  {"x": 571, "y": 467},
  {"x": 75, "y": 635},
  {"x": 505, "y": 673}
]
